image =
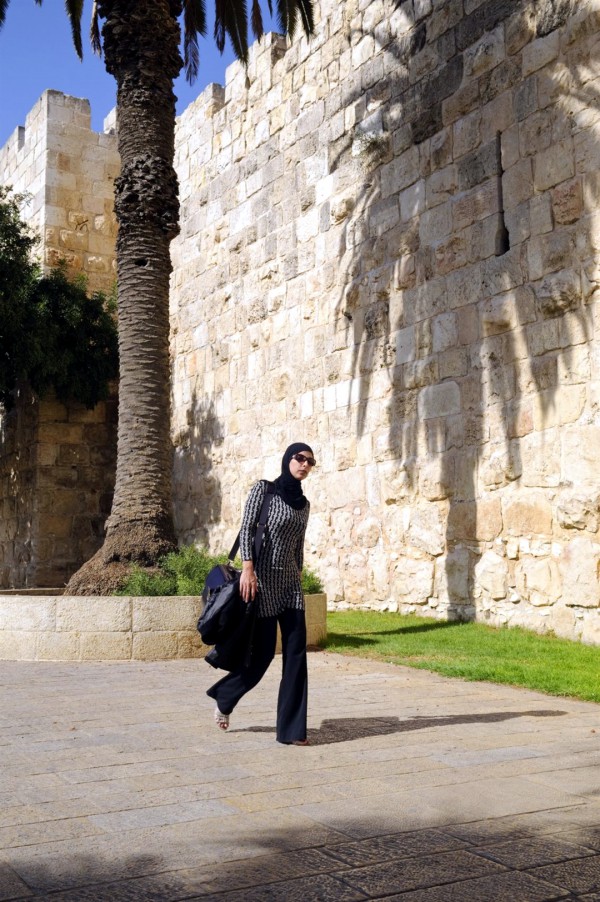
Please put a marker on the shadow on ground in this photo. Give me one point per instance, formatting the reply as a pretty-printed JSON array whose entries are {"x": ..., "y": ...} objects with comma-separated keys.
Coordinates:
[
  {"x": 345, "y": 729},
  {"x": 521, "y": 858}
]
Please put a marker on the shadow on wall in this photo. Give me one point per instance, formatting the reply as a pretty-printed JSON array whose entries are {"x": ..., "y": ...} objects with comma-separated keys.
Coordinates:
[
  {"x": 198, "y": 491},
  {"x": 470, "y": 247}
]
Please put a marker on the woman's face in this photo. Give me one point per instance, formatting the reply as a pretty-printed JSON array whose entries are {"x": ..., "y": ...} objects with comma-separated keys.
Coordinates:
[{"x": 299, "y": 465}]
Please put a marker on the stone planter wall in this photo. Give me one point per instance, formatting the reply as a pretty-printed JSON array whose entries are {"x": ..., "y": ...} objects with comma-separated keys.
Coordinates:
[{"x": 66, "y": 628}]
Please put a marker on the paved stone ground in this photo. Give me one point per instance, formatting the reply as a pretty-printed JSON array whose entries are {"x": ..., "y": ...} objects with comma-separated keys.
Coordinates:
[{"x": 116, "y": 786}]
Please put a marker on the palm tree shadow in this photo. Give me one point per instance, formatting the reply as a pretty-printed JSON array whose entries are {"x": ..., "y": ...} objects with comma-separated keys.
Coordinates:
[{"x": 346, "y": 729}]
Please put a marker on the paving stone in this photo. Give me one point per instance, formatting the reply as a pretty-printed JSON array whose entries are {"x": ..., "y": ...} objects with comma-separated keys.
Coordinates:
[
  {"x": 306, "y": 889},
  {"x": 580, "y": 876},
  {"x": 159, "y": 815},
  {"x": 508, "y": 887},
  {"x": 258, "y": 871},
  {"x": 414, "y": 873},
  {"x": 11, "y": 885},
  {"x": 153, "y": 889},
  {"x": 394, "y": 846},
  {"x": 527, "y": 853},
  {"x": 170, "y": 796}
]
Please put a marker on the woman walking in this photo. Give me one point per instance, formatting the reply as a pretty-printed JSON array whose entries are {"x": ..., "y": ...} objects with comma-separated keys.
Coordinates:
[{"x": 275, "y": 581}]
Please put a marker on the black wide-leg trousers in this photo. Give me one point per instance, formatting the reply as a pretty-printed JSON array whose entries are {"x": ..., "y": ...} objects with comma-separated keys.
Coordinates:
[{"x": 293, "y": 688}]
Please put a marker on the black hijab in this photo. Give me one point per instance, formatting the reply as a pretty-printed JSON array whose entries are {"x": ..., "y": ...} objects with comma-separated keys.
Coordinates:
[{"x": 287, "y": 486}]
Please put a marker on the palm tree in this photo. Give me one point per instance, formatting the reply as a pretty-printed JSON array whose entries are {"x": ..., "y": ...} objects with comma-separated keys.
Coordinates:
[{"x": 141, "y": 46}]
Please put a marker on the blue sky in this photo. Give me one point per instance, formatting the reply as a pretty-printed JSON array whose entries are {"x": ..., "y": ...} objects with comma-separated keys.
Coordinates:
[{"x": 36, "y": 53}]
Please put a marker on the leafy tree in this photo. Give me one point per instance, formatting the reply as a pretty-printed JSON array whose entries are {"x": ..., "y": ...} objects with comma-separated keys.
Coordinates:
[
  {"x": 52, "y": 335},
  {"x": 141, "y": 42},
  {"x": 76, "y": 341},
  {"x": 18, "y": 274}
]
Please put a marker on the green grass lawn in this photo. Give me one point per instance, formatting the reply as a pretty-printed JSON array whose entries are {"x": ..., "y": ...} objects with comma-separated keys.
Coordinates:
[{"x": 471, "y": 651}]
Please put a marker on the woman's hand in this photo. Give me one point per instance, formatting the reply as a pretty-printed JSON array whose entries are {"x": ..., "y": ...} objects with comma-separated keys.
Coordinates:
[{"x": 248, "y": 582}]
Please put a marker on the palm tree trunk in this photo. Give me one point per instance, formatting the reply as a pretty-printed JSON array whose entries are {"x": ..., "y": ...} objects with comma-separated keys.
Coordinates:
[{"x": 141, "y": 47}]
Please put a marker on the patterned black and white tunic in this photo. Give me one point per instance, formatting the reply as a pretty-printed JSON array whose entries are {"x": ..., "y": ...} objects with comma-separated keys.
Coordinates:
[{"x": 281, "y": 557}]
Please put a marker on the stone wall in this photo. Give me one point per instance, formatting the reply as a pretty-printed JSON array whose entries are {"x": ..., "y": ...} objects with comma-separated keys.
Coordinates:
[
  {"x": 112, "y": 628},
  {"x": 68, "y": 171},
  {"x": 57, "y": 470},
  {"x": 57, "y": 462},
  {"x": 388, "y": 249}
]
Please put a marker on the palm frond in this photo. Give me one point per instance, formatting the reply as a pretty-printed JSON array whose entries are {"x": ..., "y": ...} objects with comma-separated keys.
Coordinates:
[
  {"x": 95, "y": 31},
  {"x": 231, "y": 20},
  {"x": 194, "y": 23},
  {"x": 3, "y": 8},
  {"x": 74, "y": 9},
  {"x": 256, "y": 19},
  {"x": 287, "y": 15},
  {"x": 306, "y": 14}
]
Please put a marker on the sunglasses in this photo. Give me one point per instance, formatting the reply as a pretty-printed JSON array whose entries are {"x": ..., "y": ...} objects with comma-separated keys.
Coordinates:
[{"x": 304, "y": 460}]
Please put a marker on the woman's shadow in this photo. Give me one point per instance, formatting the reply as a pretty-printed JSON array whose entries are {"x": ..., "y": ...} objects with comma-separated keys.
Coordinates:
[{"x": 345, "y": 729}]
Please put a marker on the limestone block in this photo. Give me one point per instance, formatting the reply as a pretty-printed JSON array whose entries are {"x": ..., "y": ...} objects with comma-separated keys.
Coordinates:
[
  {"x": 464, "y": 288},
  {"x": 576, "y": 510},
  {"x": 426, "y": 529},
  {"x": 154, "y": 646},
  {"x": 102, "y": 646},
  {"x": 500, "y": 467},
  {"x": 316, "y": 618},
  {"x": 564, "y": 622},
  {"x": 436, "y": 223},
  {"x": 436, "y": 478},
  {"x": 412, "y": 580},
  {"x": 574, "y": 366},
  {"x": 527, "y": 514},
  {"x": 517, "y": 184},
  {"x": 189, "y": 645},
  {"x": 18, "y": 612},
  {"x": 541, "y": 457},
  {"x": 394, "y": 482},
  {"x": 540, "y": 214},
  {"x": 93, "y": 614},
  {"x": 468, "y": 519},
  {"x": 579, "y": 565},
  {"x": 554, "y": 165},
  {"x": 412, "y": 200},
  {"x": 491, "y": 575},
  {"x": 440, "y": 187},
  {"x": 405, "y": 345},
  {"x": 444, "y": 332},
  {"x": 485, "y": 54},
  {"x": 538, "y": 581},
  {"x": 454, "y": 576},
  {"x": 18, "y": 645},
  {"x": 344, "y": 491},
  {"x": 63, "y": 646},
  {"x": 567, "y": 202},
  {"x": 439, "y": 400},
  {"x": 165, "y": 613},
  {"x": 540, "y": 52},
  {"x": 580, "y": 452},
  {"x": 559, "y": 292}
]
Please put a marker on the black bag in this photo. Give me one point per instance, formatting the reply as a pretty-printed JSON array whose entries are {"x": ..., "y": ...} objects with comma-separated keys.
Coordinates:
[{"x": 227, "y": 621}]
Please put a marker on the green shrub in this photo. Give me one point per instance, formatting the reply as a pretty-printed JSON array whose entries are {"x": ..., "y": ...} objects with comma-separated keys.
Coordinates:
[
  {"x": 184, "y": 572},
  {"x": 311, "y": 584}
]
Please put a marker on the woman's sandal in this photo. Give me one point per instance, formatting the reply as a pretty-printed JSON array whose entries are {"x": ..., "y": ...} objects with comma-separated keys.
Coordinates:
[{"x": 221, "y": 720}]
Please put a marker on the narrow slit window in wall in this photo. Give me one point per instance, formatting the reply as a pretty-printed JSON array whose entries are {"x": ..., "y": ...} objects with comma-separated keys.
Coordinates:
[{"x": 502, "y": 236}]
